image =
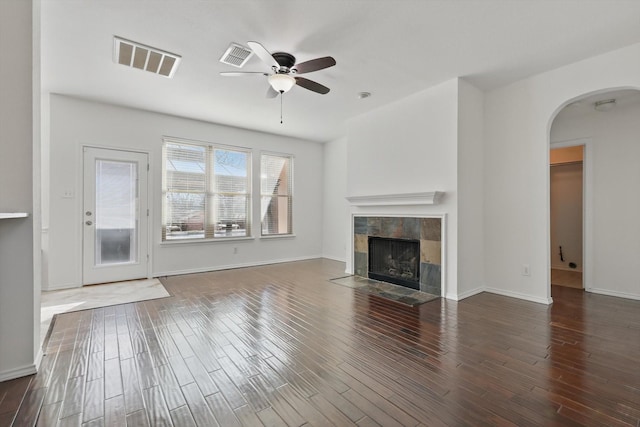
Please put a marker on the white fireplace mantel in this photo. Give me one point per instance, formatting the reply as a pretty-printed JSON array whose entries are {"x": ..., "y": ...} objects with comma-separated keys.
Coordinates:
[{"x": 406, "y": 199}]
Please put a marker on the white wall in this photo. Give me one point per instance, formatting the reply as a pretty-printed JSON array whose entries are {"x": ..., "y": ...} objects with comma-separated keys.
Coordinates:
[
  {"x": 335, "y": 206},
  {"x": 409, "y": 146},
  {"x": 75, "y": 123},
  {"x": 516, "y": 177},
  {"x": 614, "y": 149},
  {"x": 19, "y": 289},
  {"x": 470, "y": 190}
]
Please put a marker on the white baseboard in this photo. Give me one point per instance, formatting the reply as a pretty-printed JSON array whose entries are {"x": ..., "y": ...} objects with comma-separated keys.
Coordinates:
[
  {"x": 526, "y": 297},
  {"x": 23, "y": 371},
  {"x": 60, "y": 287},
  {"x": 334, "y": 258},
  {"x": 611, "y": 293},
  {"x": 563, "y": 268},
  {"x": 38, "y": 360},
  {"x": 466, "y": 294},
  {"x": 232, "y": 266}
]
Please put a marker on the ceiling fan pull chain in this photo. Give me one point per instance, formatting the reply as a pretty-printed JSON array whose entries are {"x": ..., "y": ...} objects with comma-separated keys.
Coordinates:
[{"x": 281, "y": 95}]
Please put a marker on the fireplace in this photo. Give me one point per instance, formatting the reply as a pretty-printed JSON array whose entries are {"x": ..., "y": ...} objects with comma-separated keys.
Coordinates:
[
  {"x": 425, "y": 233},
  {"x": 395, "y": 261}
]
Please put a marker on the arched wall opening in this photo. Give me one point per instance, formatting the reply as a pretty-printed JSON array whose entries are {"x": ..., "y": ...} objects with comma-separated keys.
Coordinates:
[{"x": 610, "y": 233}]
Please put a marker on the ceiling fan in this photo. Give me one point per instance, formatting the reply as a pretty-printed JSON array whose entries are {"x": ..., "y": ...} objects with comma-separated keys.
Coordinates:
[{"x": 284, "y": 71}]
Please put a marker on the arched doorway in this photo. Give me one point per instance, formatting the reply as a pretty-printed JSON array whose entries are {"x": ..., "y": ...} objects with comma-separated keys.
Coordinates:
[{"x": 606, "y": 124}]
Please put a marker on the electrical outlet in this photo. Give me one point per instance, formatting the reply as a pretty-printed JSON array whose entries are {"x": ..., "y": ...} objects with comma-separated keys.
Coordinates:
[
  {"x": 525, "y": 270},
  {"x": 67, "y": 194}
]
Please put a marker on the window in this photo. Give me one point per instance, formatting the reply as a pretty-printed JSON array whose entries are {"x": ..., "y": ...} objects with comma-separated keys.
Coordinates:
[
  {"x": 206, "y": 191},
  {"x": 276, "y": 185}
]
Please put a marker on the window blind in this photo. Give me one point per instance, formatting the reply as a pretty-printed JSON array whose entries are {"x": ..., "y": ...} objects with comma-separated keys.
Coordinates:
[
  {"x": 206, "y": 191},
  {"x": 276, "y": 184}
]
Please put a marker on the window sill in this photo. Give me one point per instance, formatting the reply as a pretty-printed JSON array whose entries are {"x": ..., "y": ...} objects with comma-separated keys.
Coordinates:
[
  {"x": 278, "y": 236},
  {"x": 202, "y": 241}
]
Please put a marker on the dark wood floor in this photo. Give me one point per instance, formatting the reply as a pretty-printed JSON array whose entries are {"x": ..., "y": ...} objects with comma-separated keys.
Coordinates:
[{"x": 280, "y": 345}]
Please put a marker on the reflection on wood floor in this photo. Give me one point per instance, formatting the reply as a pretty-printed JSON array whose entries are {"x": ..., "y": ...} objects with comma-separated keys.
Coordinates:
[
  {"x": 569, "y": 278},
  {"x": 281, "y": 345}
]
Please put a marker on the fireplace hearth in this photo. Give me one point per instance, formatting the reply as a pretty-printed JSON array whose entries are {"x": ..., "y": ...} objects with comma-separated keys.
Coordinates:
[{"x": 395, "y": 261}]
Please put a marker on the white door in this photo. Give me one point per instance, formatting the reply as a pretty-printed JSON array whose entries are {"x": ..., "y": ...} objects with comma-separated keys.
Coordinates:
[{"x": 115, "y": 216}]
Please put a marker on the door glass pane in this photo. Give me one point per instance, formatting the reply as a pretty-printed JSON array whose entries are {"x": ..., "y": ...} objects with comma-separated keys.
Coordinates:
[{"x": 116, "y": 216}]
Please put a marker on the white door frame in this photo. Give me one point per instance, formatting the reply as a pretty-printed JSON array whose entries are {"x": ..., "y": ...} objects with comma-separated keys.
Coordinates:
[{"x": 587, "y": 209}]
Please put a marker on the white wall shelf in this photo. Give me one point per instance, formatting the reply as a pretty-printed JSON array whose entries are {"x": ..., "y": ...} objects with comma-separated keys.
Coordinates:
[
  {"x": 7, "y": 215},
  {"x": 407, "y": 199}
]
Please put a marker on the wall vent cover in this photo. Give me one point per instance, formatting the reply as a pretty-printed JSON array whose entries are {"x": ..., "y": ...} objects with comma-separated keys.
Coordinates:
[
  {"x": 236, "y": 55},
  {"x": 142, "y": 57}
]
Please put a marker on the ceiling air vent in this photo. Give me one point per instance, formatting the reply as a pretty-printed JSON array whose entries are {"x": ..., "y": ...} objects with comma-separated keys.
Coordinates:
[
  {"x": 236, "y": 55},
  {"x": 143, "y": 57}
]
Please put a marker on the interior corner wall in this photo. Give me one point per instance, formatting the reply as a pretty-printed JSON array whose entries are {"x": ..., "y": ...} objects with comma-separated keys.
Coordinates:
[
  {"x": 75, "y": 122},
  {"x": 17, "y": 286},
  {"x": 614, "y": 151},
  {"x": 516, "y": 176},
  {"x": 410, "y": 146},
  {"x": 470, "y": 190},
  {"x": 335, "y": 206}
]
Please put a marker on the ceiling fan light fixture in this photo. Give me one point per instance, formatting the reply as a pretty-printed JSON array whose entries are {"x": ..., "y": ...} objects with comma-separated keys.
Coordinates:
[{"x": 281, "y": 82}]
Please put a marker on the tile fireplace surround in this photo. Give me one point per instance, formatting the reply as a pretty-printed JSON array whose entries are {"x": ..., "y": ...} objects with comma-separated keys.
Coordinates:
[{"x": 427, "y": 230}]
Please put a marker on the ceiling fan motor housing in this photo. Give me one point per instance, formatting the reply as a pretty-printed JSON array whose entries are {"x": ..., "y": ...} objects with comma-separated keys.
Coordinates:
[{"x": 286, "y": 61}]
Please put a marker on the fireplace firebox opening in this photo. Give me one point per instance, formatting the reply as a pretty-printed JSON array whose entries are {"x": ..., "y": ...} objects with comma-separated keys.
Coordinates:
[{"x": 395, "y": 261}]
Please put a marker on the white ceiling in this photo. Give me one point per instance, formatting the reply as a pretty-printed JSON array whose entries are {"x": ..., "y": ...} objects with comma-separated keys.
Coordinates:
[{"x": 391, "y": 48}]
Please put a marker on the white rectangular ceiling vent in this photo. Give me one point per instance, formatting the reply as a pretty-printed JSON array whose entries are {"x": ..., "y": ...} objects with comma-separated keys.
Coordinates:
[
  {"x": 236, "y": 55},
  {"x": 143, "y": 57}
]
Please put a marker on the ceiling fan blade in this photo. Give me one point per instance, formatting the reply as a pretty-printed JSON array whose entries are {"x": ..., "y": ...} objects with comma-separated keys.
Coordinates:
[
  {"x": 314, "y": 65},
  {"x": 311, "y": 85},
  {"x": 263, "y": 54},
  {"x": 272, "y": 93},
  {"x": 243, "y": 73}
]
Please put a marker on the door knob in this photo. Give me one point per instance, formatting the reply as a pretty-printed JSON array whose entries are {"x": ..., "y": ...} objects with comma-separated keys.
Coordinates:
[{"x": 88, "y": 222}]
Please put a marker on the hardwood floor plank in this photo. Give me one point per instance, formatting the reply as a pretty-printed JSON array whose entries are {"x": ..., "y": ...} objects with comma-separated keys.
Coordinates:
[
  {"x": 30, "y": 408},
  {"x": 334, "y": 397},
  {"x": 95, "y": 369},
  {"x": 11, "y": 394},
  {"x": 146, "y": 370},
  {"x": 170, "y": 387},
  {"x": 228, "y": 389},
  {"x": 93, "y": 400},
  {"x": 303, "y": 406},
  {"x": 112, "y": 378},
  {"x": 332, "y": 413},
  {"x": 281, "y": 406},
  {"x": 247, "y": 416},
  {"x": 182, "y": 417},
  {"x": 98, "y": 422},
  {"x": 59, "y": 376},
  {"x": 49, "y": 415},
  {"x": 138, "y": 419},
  {"x": 71, "y": 421},
  {"x": 157, "y": 410},
  {"x": 280, "y": 344},
  {"x": 198, "y": 406},
  {"x": 180, "y": 370},
  {"x": 131, "y": 386},
  {"x": 115, "y": 412},
  {"x": 201, "y": 377},
  {"x": 73, "y": 398},
  {"x": 270, "y": 418},
  {"x": 222, "y": 411}
]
